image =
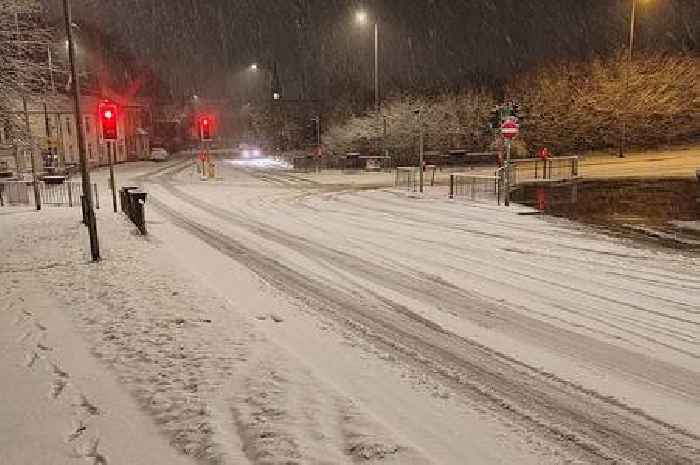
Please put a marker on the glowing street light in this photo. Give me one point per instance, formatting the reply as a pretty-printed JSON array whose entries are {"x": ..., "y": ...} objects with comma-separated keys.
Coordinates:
[
  {"x": 623, "y": 132},
  {"x": 254, "y": 67},
  {"x": 361, "y": 17}
]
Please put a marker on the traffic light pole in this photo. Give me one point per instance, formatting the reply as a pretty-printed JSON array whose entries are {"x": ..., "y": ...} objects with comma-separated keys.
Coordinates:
[
  {"x": 111, "y": 153},
  {"x": 85, "y": 174}
]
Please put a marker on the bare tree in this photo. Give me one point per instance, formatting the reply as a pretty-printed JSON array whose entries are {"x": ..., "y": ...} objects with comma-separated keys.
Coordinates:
[{"x": 24, "y": 42}]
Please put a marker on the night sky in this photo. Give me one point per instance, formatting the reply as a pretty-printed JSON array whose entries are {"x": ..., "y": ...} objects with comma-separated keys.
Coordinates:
[{"x": 204, "y": 46}]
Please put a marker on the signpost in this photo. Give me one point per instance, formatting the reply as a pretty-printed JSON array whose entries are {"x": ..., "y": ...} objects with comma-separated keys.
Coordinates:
[
  {"x": 108, "y": 118},
  {"x": 509, "y": 130}
]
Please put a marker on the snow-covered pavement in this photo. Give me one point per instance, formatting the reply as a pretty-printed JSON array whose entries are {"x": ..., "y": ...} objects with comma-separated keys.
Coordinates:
[{"x": 272, "y": 319}]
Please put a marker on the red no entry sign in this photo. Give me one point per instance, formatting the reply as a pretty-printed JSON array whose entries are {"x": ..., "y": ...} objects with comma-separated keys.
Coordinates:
[{"x": 509, "y": 129}]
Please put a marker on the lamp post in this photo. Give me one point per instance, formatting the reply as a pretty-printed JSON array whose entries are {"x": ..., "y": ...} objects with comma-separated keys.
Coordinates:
[
  {"x": 623, "y": 132},
  {"x": 85, "y": 174},
  {"x": 272, "y": 77},
  {"x": 362, "y": 18}
]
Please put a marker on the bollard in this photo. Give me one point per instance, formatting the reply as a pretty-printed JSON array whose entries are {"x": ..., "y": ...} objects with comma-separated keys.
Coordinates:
[{"x": 83, "y": 202}]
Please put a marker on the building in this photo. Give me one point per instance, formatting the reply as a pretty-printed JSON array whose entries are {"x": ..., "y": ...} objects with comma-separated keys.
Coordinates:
[{"x": 54, "y": 134}]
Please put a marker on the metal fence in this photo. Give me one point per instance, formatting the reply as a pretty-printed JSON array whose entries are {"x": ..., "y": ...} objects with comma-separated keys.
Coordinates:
[
  {"x": 475, "y": 187},
  {"x": 532, "y": 169},
  {"x": 408, "y": 177},
  {"x": 66, "y": 194}
]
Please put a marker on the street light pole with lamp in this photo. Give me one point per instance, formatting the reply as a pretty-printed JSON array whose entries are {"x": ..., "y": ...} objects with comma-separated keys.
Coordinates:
[
  {"x": 85, "y": 174},
  {"x": 273, "y": 79},
  {"x": 623, "y": 132},
  {"x": 362, "y": 18}
]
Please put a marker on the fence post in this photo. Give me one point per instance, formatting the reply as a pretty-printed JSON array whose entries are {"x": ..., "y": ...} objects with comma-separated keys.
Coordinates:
[
  {"x": 452, "y": 186},
  {"x": 70, "y": 194}
]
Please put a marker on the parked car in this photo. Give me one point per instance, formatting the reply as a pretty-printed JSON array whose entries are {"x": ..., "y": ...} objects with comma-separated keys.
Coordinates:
[{"x": 159, "y": 154}]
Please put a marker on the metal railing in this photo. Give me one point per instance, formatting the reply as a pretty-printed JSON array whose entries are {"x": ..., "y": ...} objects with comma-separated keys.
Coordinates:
[
  {"x": 66, "y": 194},
  {"x": 407, "y": 177},
  {"x": 532, "y": 169},
  {"x": 475, "y": 187}
]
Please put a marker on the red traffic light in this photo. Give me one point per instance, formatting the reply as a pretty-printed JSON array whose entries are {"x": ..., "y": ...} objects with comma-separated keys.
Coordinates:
[
  {"x": 205, "y": 128},
  {"x": 108, "y": 118}
]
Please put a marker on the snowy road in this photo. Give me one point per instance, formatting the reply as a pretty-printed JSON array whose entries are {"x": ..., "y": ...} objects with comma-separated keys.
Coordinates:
[{"x": 587, "y": 347}]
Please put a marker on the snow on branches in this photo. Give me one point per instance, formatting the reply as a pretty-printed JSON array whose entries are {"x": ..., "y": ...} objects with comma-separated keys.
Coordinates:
[{"x": 24, "y": 42}]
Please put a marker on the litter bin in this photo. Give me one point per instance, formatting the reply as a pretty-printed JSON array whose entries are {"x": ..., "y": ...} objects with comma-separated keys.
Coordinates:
[
  {"x": 137, "y": 206},
  {"x": 124, "y": 197}
]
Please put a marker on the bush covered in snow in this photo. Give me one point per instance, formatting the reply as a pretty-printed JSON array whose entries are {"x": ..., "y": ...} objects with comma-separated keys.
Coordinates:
[
  {"x": 452, "y": 120},
  {"x": 579, "y": 107},
  {"x": 569, "y": 108}
]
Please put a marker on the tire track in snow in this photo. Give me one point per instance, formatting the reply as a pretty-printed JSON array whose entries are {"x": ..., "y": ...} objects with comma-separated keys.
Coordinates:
[{"x": 507, "y": 387}]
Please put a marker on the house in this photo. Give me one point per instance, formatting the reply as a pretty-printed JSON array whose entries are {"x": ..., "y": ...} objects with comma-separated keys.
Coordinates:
[{"x": 54, "y": 134}]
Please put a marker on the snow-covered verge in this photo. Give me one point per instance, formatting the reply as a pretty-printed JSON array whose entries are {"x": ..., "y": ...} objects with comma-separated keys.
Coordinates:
[{"x": 200, "y": 375}]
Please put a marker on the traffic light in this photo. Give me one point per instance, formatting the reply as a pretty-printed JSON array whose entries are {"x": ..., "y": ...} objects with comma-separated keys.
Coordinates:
[
  {"x": 108, "y": 118},
  {"x": 205, "y": 128}
]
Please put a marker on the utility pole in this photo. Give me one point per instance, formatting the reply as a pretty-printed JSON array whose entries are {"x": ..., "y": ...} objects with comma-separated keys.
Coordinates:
[
  {"x": 85, "y": 174},
  {"x": 35, "y": 179}
]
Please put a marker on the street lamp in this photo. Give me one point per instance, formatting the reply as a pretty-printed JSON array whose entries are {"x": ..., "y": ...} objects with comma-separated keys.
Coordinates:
[
  {"x": 88, "y": 208},
  {"x": 273, "y": 79},
  {"x": 623, "y": 134},
  {"x": 362, "y": 18}
]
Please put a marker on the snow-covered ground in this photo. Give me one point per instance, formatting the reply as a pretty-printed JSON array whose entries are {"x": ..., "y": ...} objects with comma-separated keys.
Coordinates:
[{"x": 274, "y": 319}]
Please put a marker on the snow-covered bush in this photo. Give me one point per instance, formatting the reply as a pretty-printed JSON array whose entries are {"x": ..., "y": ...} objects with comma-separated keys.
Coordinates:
[
  {"x": 449, "y": 121},
  {"x": 579, "y": 107}
]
